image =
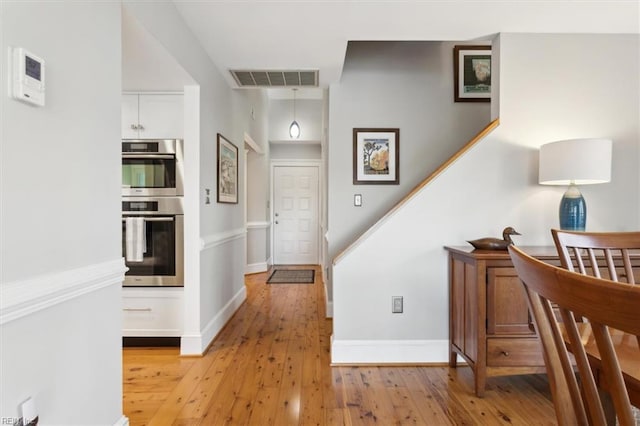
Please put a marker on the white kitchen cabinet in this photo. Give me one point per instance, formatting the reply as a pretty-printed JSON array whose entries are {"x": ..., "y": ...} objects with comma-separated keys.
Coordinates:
[
  {"x": 152, "y": 116},
  {"x": 152, "y": 311}
]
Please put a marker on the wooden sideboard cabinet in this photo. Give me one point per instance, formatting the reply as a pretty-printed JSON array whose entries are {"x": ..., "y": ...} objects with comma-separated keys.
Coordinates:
[{"x": 489, "y": 321}]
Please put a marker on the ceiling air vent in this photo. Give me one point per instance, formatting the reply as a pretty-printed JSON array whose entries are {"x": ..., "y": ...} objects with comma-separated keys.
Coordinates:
[{"x": 257, "y": 78}]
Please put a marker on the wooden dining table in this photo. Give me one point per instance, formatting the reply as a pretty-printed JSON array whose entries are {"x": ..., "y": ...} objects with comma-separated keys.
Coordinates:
[{"x": 628, "y": 352}]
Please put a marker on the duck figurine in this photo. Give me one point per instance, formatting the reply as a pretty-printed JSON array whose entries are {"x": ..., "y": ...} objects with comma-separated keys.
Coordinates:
[{"x": 495, "y": 243}]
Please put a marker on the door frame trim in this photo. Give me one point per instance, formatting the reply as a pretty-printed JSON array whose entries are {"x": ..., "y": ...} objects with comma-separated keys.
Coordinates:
[{"x": 317, "y": 163}]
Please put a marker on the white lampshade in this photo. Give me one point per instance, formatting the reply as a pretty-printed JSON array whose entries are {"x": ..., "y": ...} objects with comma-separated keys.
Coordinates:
[{"x": 578, "y": 161}]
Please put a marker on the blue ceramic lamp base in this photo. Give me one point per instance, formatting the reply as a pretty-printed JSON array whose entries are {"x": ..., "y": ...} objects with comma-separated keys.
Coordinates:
[{"x": 573, "y": 210}]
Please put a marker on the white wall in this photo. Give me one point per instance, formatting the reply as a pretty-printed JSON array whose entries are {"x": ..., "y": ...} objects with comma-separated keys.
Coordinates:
[
  {"x": 214, "y": 245},
  {"x": 578, "y": 85},
  {"x": 60, "y": 252}
]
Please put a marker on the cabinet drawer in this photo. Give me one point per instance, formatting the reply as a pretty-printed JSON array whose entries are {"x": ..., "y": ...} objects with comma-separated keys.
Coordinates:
[
  {"x": 514, "y": 352},
  {"x": 152, "y": 313}
]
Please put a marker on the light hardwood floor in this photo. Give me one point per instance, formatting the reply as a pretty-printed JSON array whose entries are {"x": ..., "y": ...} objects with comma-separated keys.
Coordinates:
[{"x": 270, "y": 365}]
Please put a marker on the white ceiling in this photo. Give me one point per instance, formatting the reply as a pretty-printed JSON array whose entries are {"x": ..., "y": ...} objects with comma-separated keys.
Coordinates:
[{"x": 307, "y": 35}]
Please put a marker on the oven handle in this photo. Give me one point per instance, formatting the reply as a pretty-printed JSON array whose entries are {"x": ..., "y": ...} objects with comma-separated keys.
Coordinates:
[
  {"x": 149, "y": 156},
  {"x": 155, "y": 219}
]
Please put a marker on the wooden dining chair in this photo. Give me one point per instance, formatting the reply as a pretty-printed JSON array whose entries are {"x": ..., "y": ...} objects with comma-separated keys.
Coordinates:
[
  {"x": 601, "y": 254},
  {"x": 605, "y": 304}
]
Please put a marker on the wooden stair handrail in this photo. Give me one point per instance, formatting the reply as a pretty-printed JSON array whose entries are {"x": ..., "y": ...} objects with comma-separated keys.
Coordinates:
[{"x": 477, "y": 138}]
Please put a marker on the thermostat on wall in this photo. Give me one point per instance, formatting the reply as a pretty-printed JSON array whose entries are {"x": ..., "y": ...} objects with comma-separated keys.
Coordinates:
[{"x": 28, "y": 77}]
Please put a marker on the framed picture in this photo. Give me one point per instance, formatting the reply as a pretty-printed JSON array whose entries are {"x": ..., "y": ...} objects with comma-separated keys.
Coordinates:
[
  {"x": 227, "y": 171},
  {"x": 376, "y": 156},
  {"x": 472, "y": 73}
]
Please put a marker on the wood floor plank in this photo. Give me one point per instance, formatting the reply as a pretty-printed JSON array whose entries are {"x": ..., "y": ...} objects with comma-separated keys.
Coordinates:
[
  {"x": 271, "y": 366},
  {"x": 421, "y": 396},
  {"x": 264, "y": 407}
]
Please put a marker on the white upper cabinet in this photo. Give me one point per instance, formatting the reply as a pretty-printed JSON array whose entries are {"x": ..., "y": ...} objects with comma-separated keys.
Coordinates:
[{"x": 149, "y": 116}]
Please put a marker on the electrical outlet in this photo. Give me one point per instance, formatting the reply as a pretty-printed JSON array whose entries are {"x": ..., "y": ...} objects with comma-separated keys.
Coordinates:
[{"x": 396, "y": 304}]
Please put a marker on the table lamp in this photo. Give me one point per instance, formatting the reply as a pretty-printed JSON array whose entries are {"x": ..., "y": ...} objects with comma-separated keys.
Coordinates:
[{"x": 575, "y": 162}]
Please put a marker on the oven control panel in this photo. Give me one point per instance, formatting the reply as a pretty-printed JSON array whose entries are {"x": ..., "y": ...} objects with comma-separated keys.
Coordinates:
[{"x": 152, "y": 205}]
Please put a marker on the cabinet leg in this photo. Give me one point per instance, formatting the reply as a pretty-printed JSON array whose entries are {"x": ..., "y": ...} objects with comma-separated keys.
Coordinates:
[
  {"x": 480, "y": 382},
  {"x": 453, "y": 359}
]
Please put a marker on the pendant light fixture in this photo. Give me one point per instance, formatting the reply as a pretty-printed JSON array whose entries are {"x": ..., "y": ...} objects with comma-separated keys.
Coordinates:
[{"x": 294, "y": 128}]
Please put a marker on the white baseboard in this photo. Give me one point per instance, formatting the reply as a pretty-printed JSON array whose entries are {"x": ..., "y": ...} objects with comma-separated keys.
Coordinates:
[
  {"x": 191, "y": 344},
  {"x": 122, "y": 421},
  {"x": 389, "y": 351},
  {"x": 21, "y": 298},
  {"x": 254, "y": 268},
  {"x": 196, "y": 344}
]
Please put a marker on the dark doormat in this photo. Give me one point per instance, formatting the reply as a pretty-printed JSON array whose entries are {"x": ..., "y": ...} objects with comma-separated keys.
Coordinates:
[{"x": 292, "y": 276}]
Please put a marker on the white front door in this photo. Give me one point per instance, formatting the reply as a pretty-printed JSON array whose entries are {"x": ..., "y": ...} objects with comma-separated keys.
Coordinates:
[{"x": 295, "y": 215}]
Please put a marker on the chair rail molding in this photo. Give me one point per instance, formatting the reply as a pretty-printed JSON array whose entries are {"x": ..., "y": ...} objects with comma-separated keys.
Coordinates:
[
  {"x": 258, "y": 225},
  {"x": 220, "y": 238},
  {"x": 24, "y": 297}
]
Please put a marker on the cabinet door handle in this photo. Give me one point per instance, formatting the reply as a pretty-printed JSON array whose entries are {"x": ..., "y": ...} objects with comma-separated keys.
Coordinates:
[
  {"x": 134, "y": 127},
  {"x": 137, "y": 309},
  {"x": 505, "y": 353},
  {"x": 140, "y": 127}
]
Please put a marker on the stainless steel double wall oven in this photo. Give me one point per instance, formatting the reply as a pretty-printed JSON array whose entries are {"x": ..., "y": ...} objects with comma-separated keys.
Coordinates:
[
  {"x": 152, "y": 212},
  {"x": 152, "y": 168}
]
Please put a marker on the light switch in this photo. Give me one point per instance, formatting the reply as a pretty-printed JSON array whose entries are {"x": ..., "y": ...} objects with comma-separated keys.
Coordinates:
[
  {"x": 357, "y": 200},
  {"x": 396, "y": 304}
]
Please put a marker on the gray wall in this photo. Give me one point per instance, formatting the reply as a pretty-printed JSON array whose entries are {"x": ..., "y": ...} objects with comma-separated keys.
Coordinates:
[
  {"x": 308, "y": 116},
  {"x": 291, "y": 151},
  {"x": 257, "y": 185},
  {"x": 257, "y": 163},
  {"x": 492, "y": 186},
  {"x": 215, "y": 248},
  {"x": 405, "y": 85},
  {"x": 61, "y": 258}
]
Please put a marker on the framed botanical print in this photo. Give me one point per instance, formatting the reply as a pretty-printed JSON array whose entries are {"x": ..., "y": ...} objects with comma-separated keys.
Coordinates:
[
  {"x": 472, "y": 73},
  {"x": 227, "y": 171},
  {"x": 376, "y": 156}
]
